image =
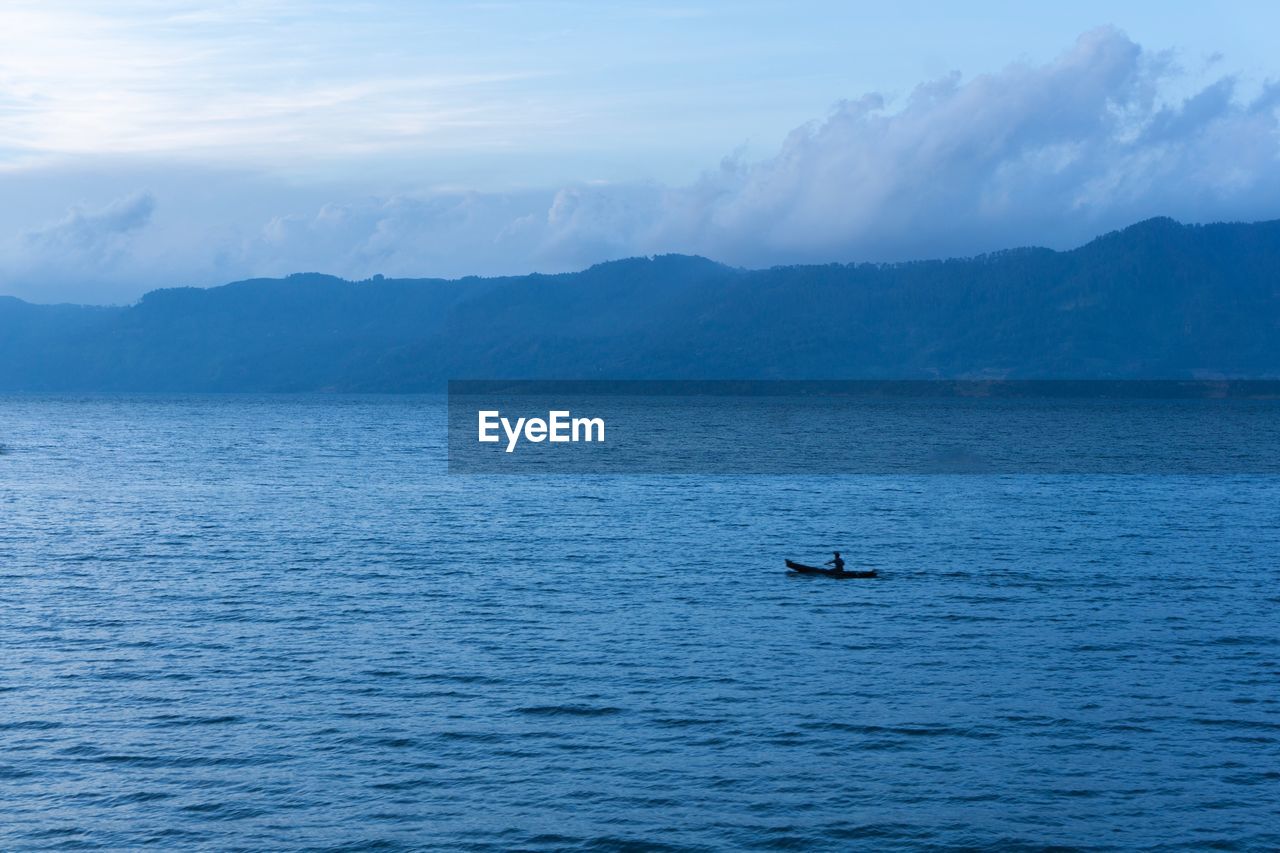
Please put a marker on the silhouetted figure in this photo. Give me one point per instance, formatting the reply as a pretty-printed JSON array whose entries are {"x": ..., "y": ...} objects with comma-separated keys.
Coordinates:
[{"x": 837, "y": 562}]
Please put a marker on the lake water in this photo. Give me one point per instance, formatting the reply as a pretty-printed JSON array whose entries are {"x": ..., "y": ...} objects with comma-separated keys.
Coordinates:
[{"x": 277, "y": 622}]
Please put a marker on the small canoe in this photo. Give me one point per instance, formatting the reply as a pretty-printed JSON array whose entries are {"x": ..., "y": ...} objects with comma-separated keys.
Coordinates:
[{"x": 801, "y": 568}]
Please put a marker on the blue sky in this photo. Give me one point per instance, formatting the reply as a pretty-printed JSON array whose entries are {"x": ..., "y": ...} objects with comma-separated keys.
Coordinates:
[{"x": 147, "y": 144}]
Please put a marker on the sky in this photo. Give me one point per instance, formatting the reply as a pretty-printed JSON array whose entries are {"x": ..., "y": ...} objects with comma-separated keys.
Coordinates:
[{"x": 149, "y": 144}]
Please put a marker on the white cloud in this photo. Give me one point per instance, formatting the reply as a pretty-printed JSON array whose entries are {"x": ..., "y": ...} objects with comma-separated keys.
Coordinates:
[
  {"x": 72, "y": 257},
  {"x": 94, "y": 233},
  {"x": 1032, "y": 154},
  {"x": 1048, "y": 154},
  {"x": 230, "y": 82}
]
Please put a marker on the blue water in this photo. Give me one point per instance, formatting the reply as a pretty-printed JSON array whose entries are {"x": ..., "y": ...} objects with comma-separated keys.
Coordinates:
[{"x": 248, "y": 623}]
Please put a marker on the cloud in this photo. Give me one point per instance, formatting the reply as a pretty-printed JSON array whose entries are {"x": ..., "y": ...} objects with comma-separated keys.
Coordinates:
[
  {"x": 1031, "y": 154},
  {"x": 88, "y": 254},
  {"x": 95, "y": 235},
  {"x": 232, "y": 83},
  {"x": 1049, "y": 154},
  {"x": 1035, "y": 154},
  {"x": 449, "y": 234}
]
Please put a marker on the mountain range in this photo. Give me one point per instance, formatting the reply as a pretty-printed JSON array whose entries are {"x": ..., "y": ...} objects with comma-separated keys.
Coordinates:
[{"x": 1156, "y": 300}]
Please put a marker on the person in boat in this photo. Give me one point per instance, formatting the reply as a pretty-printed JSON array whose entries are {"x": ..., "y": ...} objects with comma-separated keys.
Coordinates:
[{"x": 837, "y": 563}]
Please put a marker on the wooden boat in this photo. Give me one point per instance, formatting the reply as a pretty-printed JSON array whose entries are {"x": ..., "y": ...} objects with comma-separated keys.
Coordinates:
[{"x": 801, "y": 568}]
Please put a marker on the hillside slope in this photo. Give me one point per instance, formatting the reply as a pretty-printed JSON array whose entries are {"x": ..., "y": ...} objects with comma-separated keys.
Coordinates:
[{"x": 1158, "y": 299}]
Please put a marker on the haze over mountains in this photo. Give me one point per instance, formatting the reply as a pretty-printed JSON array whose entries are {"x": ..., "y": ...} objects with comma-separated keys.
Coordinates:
[{"x": 1156, "y": 300}]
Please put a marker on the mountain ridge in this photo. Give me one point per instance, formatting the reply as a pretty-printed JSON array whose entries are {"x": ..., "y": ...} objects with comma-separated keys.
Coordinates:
[{"x": 1157, "y": 299}]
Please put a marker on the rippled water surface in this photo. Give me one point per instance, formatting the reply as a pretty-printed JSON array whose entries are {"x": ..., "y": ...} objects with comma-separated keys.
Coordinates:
[{"x": 277, "y": 623}]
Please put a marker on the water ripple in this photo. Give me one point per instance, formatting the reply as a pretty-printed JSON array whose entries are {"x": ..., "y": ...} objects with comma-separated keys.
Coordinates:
[{"x": 247, "y": 623}]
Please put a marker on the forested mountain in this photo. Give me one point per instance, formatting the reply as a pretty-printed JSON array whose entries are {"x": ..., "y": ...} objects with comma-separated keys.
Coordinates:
[{"x": 1156, "y": 300}]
